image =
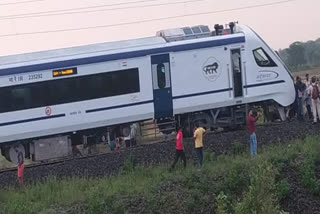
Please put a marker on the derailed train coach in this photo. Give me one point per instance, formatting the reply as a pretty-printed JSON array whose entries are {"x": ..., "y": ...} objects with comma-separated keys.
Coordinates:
[{"x": 184, "y": 75}]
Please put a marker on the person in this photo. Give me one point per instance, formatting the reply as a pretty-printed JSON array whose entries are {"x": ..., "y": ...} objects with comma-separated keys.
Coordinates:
[
  {"x": 130, "y": 140},
  {"x": 294, "y": 109},
  {"x": 307, "y": 99},
  {"x": 300, "y": 88},
  {"x": 133, "y": 134},
  {"x": 251, "y": 124},
  {"x": 314, "y": 92},
  {"x": 111, "y": 138},
  {"x": 75, "y": 151},
  {"x": 198, "y": 140},
  {"x": 20, "y": 167},
  {"x": 179, "y": 149},
  {"x": 117, "y": 146},
  {"x": 307, "y": 81}
]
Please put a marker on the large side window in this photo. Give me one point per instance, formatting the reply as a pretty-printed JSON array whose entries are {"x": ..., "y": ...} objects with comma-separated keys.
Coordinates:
[
  {"x": 263, "y": 59},
  {"x": 69, "y": 90}
]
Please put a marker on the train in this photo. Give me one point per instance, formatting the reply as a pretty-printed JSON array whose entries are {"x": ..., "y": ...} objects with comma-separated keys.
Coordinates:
[{"x": 181, "y": 76}]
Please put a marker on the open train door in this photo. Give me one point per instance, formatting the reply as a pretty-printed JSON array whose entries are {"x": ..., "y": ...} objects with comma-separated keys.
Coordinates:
[
  {"x": 237, "y": 72},
  {"x": 162, "y": 92}
]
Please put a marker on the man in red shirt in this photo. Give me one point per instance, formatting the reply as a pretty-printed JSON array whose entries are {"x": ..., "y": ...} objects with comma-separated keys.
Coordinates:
[
  {"x": 20, "y": 167},
  {"x": 179, "y": 149},
  {"x": 251, "y": 123}
]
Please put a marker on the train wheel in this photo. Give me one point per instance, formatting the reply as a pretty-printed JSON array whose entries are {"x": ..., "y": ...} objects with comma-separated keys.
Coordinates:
[
  {"x": 125, "y": 131},
  {"x": 12, "y": 155}
]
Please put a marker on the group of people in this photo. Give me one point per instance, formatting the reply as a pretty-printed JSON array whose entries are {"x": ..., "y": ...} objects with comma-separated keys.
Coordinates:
[
  {"x": 307, "y": 99},
  {"x": 199, "y": 132}
]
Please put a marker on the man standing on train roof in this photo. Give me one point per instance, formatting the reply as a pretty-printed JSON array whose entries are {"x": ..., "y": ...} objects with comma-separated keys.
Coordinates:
[
  {"x": 198, "y": 142},
  {"x": 20, "y": 167},
  {"x": 251, "y": 124},
  {"x": 179, "y": 149}
]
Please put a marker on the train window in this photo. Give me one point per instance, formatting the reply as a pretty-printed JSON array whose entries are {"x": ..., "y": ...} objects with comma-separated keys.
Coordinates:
[
  {"x": 67, "y": 90},
  {"x": 187, "y": 31},
  {"x": 205, "y": 29},
  {"x": 263, "y": 59},
  {"x": 196, "y": 30},
  {"x": 161, "y": 74},
  {"x": 21, "y": 97}
]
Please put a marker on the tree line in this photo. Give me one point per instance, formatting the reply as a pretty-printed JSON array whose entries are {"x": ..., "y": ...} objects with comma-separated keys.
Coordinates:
[{"x": 302, "y": 55}]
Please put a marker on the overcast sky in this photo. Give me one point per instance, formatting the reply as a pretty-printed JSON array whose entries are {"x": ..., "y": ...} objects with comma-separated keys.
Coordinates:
[{"x": 279, "y": 24}]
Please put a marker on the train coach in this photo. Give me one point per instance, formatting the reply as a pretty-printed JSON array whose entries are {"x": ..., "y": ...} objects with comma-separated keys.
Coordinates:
[{"x": 183, "y": 75}]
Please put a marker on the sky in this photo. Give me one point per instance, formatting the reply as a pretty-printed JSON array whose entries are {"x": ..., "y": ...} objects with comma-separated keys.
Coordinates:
[{"x": 279, "y": 24}]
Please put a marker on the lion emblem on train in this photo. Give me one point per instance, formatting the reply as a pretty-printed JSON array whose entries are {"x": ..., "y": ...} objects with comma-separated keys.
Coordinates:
[{"x": 211, "y": 69}]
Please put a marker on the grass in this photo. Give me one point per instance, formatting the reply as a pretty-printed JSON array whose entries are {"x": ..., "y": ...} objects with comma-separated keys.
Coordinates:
[{"x": 225, "y": 184}]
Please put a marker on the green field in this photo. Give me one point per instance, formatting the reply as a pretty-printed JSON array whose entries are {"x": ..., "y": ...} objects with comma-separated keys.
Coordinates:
[{"x": 235, "y": 183}]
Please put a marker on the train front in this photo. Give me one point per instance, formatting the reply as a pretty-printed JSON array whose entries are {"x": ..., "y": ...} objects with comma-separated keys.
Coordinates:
[{"x": 266, "y": 72}]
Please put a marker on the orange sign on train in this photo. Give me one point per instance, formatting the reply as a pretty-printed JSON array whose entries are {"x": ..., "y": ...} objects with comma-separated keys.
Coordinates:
[{"x": 64, "y": 72}]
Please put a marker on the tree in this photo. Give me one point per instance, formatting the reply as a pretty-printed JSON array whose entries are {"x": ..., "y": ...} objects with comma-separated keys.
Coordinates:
[
  {"x": 296, "y": 54},
  {"x": 312, "y": 53}
]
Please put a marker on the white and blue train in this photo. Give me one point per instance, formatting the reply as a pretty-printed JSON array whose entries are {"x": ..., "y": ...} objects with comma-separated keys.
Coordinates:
[{"x": 183, "y": 75}]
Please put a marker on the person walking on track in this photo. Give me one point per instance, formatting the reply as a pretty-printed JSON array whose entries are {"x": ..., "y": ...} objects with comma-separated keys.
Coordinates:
[
  {"x": 20, "y": 167},
  {"x": 251, "y": 123},
  {"x": 198, "y": 143},
  {"x": 179, "y": 149}
]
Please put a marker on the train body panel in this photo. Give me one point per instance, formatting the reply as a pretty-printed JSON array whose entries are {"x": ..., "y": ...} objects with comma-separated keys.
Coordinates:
[
  {"x": 79, "y": 115},
  {"x": 95, "y": 86},
  {"x": 201, "y": 79}
]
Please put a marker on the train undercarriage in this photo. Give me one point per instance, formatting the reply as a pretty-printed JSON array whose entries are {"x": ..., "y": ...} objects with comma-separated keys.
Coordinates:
[
  {"x": 228, "y": 118},
  {"x": 53, "y": 147}
]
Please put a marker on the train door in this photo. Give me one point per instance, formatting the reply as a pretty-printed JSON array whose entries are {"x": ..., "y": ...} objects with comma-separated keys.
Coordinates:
[
  {"x": 237, "y": 72},
  {"x": 162, "y": 92}
]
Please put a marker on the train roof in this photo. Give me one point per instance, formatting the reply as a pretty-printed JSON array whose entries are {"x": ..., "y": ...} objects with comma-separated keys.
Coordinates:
[
  {"x": 121, "y": 50},
  {"x": 80, "y": 50}
]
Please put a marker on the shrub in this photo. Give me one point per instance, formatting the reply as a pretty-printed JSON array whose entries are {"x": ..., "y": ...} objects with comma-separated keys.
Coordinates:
[
  {"x": 308, "y": 177},
  {"x": 259, "y": 198},
  {"x": 224, "y": 206},
  {"x": 237, "y": 178},
  {"x": 237, "y": 148},
  {"x": 95, "y": 201},
  {"x": 282, "y": 189},
  {"x": 209, "y": 156},
  {"x": 129, "y": 164}
]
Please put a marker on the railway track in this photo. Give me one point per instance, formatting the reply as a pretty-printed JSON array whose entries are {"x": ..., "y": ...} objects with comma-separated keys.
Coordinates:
[
  {"x": 159, "y": 152},
  {"x": 71, "y": 158}
]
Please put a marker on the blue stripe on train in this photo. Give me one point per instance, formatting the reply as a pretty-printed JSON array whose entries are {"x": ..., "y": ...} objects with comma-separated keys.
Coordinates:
[{"x": 32, "y": 120}]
